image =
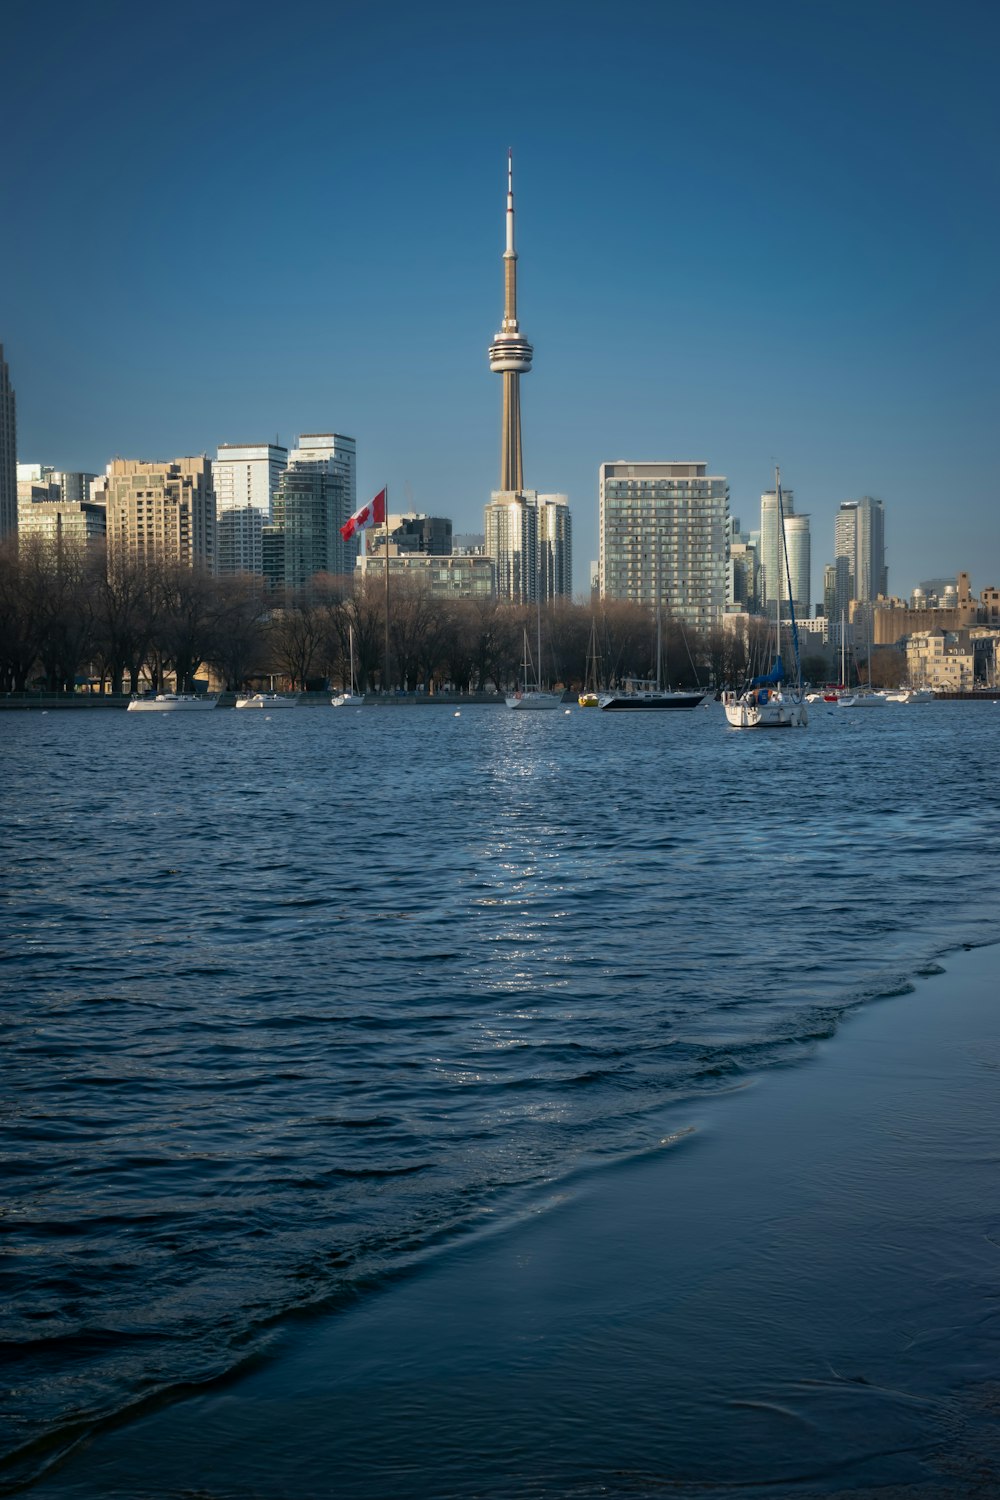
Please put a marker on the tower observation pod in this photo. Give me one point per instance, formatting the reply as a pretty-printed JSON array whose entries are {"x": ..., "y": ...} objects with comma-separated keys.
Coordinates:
[{"x": 510, "y": 356}]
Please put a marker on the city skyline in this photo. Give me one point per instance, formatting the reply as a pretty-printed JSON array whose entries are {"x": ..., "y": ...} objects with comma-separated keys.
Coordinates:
[{"x": 765, "y": 254}]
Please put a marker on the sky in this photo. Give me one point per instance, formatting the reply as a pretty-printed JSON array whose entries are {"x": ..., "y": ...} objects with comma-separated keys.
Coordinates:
[{"x": 750, "y": 232}]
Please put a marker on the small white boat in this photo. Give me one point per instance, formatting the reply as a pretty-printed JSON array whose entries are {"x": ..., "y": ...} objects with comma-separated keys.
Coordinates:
[
  {"x": 910, "y": 695},
  {"x": 171, "y": 703},
  {"x": 765, "y": 708},
  {"x": 767, "y": 703},
  {"x": 532, "y": 697},
  {"x": 862, "y": 700},
  {"x": 349, "y": 698},
  {"x": 267, "y": 700}
]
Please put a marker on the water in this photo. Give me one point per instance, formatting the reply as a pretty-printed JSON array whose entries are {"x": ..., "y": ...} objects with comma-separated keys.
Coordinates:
[{"x": 291, "y": 1002}]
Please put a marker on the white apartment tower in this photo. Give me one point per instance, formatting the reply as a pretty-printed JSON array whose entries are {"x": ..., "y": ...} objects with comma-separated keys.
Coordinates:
[
  {"x": 663, "y": 538},
  {"x": 555, "y": 547},
  {"x": 338, "y": 454},
  {"x": 798, "y": 541},
  {"x": 246, "y": 478}
]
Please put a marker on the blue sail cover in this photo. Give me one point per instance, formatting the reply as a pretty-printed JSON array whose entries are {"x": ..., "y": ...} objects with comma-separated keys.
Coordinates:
[{"x": 776, "y": 674}]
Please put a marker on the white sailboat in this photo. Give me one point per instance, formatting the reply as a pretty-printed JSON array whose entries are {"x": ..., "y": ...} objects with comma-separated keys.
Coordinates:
[
  {"x": 267, "y": 700},
  {"x": 767, "y": 703},
  {"x": 528, "y": 696},
  {"x": 351, "y": 696},
  {"x": 171, "y": 703}
]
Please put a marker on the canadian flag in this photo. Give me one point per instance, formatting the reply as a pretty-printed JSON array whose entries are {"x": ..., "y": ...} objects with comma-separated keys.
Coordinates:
[{"x": 372, "y": 514}]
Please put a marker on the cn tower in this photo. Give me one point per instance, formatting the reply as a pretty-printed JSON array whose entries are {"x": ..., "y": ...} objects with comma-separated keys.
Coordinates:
[{"x": 510, "y": 356}]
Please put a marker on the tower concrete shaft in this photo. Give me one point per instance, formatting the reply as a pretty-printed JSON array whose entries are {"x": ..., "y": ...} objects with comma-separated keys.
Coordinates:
[{"x": 510, "y": 356}]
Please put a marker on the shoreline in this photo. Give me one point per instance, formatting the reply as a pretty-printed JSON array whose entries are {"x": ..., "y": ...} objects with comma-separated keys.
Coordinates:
[{"x": 792, "y": 1296}]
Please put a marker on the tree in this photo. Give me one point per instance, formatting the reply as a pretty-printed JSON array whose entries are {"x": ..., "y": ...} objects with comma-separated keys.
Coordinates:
[{"x": 296, "y": 635}]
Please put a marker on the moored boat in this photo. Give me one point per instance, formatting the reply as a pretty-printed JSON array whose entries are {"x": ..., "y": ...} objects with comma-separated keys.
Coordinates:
[
  {"x": 171, "y": 703},
  {"x": 641, "y": 693},
  {"x": 267, "y": 700},
  {"x": 766, "y": 703}
]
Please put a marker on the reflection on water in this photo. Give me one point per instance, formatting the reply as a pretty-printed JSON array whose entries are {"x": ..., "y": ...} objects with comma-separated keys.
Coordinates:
[{"x": 274, "y": 1026}]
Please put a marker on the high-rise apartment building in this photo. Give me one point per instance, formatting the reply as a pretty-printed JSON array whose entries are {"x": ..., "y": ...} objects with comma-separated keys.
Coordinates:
[
  {"x": 774, "y": 567},
  {"x": 859, "y": 536},
  {"x": 663, "y": 538},
  {"x": 246, "y": 477},
  {"x": 309, "y": 510},
  {"x": 741, "y": 573},
  {"x": 555, "y": 547},
  {"x": 248, "y": 474},
  {"x": 511, "y": 526},
  {"x": 8, "y": 453},
  {"x": 340, "y": 456},
  {"x": 162, "y": 512},
  {"x": 240, "y": 530}
]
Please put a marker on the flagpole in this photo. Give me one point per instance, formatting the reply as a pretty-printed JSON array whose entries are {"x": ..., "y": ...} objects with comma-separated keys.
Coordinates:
[{"x": 386, "y": 564}]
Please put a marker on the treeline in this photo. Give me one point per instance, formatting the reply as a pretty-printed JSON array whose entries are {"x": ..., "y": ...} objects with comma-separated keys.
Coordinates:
[{"x": 72, "y": 614}]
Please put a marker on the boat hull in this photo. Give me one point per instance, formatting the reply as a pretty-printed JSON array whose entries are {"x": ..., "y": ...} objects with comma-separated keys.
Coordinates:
[
  {"x": 347, "y": 700},
  {"x": 648, "y": 702},
  {"x": 534, "y": 700},
  {"x": 267, "y": 700},
  {"x": 169, "y": 703},
  {"x": 746, "y": 711}
]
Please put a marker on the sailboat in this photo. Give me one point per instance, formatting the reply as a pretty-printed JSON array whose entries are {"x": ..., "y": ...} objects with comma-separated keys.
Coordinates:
[
  {"x": 528, "y": 697},
  {"x": 766, "y": 704},
  {"x": 648, "y": 692},
  {"x": 591, "y": 696},
  {"x": 351, "y": 696}
]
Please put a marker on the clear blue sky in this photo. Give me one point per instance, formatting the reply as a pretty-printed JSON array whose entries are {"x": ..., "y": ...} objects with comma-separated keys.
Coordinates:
[{"x": 748, "y": 230}]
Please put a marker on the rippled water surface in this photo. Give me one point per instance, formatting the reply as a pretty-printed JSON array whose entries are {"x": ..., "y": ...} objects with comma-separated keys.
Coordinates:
[{"x": 289, "y": 1001}]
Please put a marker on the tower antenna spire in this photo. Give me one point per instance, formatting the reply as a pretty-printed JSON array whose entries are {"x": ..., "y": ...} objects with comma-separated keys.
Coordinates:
[{"x": 510, "y": 354}]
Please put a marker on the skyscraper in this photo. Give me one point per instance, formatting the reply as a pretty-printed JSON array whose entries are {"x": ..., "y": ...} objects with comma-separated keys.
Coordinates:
[
  {"x": 663, "y": 538},
  {"x": 859, "y": 536},
  {"x": 8, "y": 453},
  {"x": 340, "y": 456},
  {"x": 248, "y": 474},
  {"x": 246, "y": 478},
  {"x": 555, "y": 547},
  {"x": 309, "y": 510},
  {"x": 510, "y": 356},
  {"x": 773, "y": 578}
]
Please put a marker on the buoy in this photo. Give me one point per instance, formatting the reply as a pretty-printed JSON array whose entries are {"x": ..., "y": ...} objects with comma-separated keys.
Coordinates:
[{"x": 458, "y": 713}]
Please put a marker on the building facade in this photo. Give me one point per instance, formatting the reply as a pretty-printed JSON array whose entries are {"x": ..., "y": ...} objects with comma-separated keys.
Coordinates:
[
  {"x": 511, "y": 525},
  {"x": 410, "y": 531},
  {"x": 459, "y": 575},
  {"x": 555, "y": 547},
  {"x": 339, "y": 454},
  {"x": 62, "y": 522},
  {"x": 309, "y": 510},
  {"x": 162, "y": 512},
  {"x": 663, "y": 538},
  {"x": 859, "y": 537},
  {"x": 8, "y": 453},
  {"x": 240, "y": 540},
  {"x": 774, "y": 577}
]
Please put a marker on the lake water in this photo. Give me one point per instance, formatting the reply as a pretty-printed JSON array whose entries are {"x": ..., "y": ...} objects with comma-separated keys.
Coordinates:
[{"x": 289, "y": 1002}]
